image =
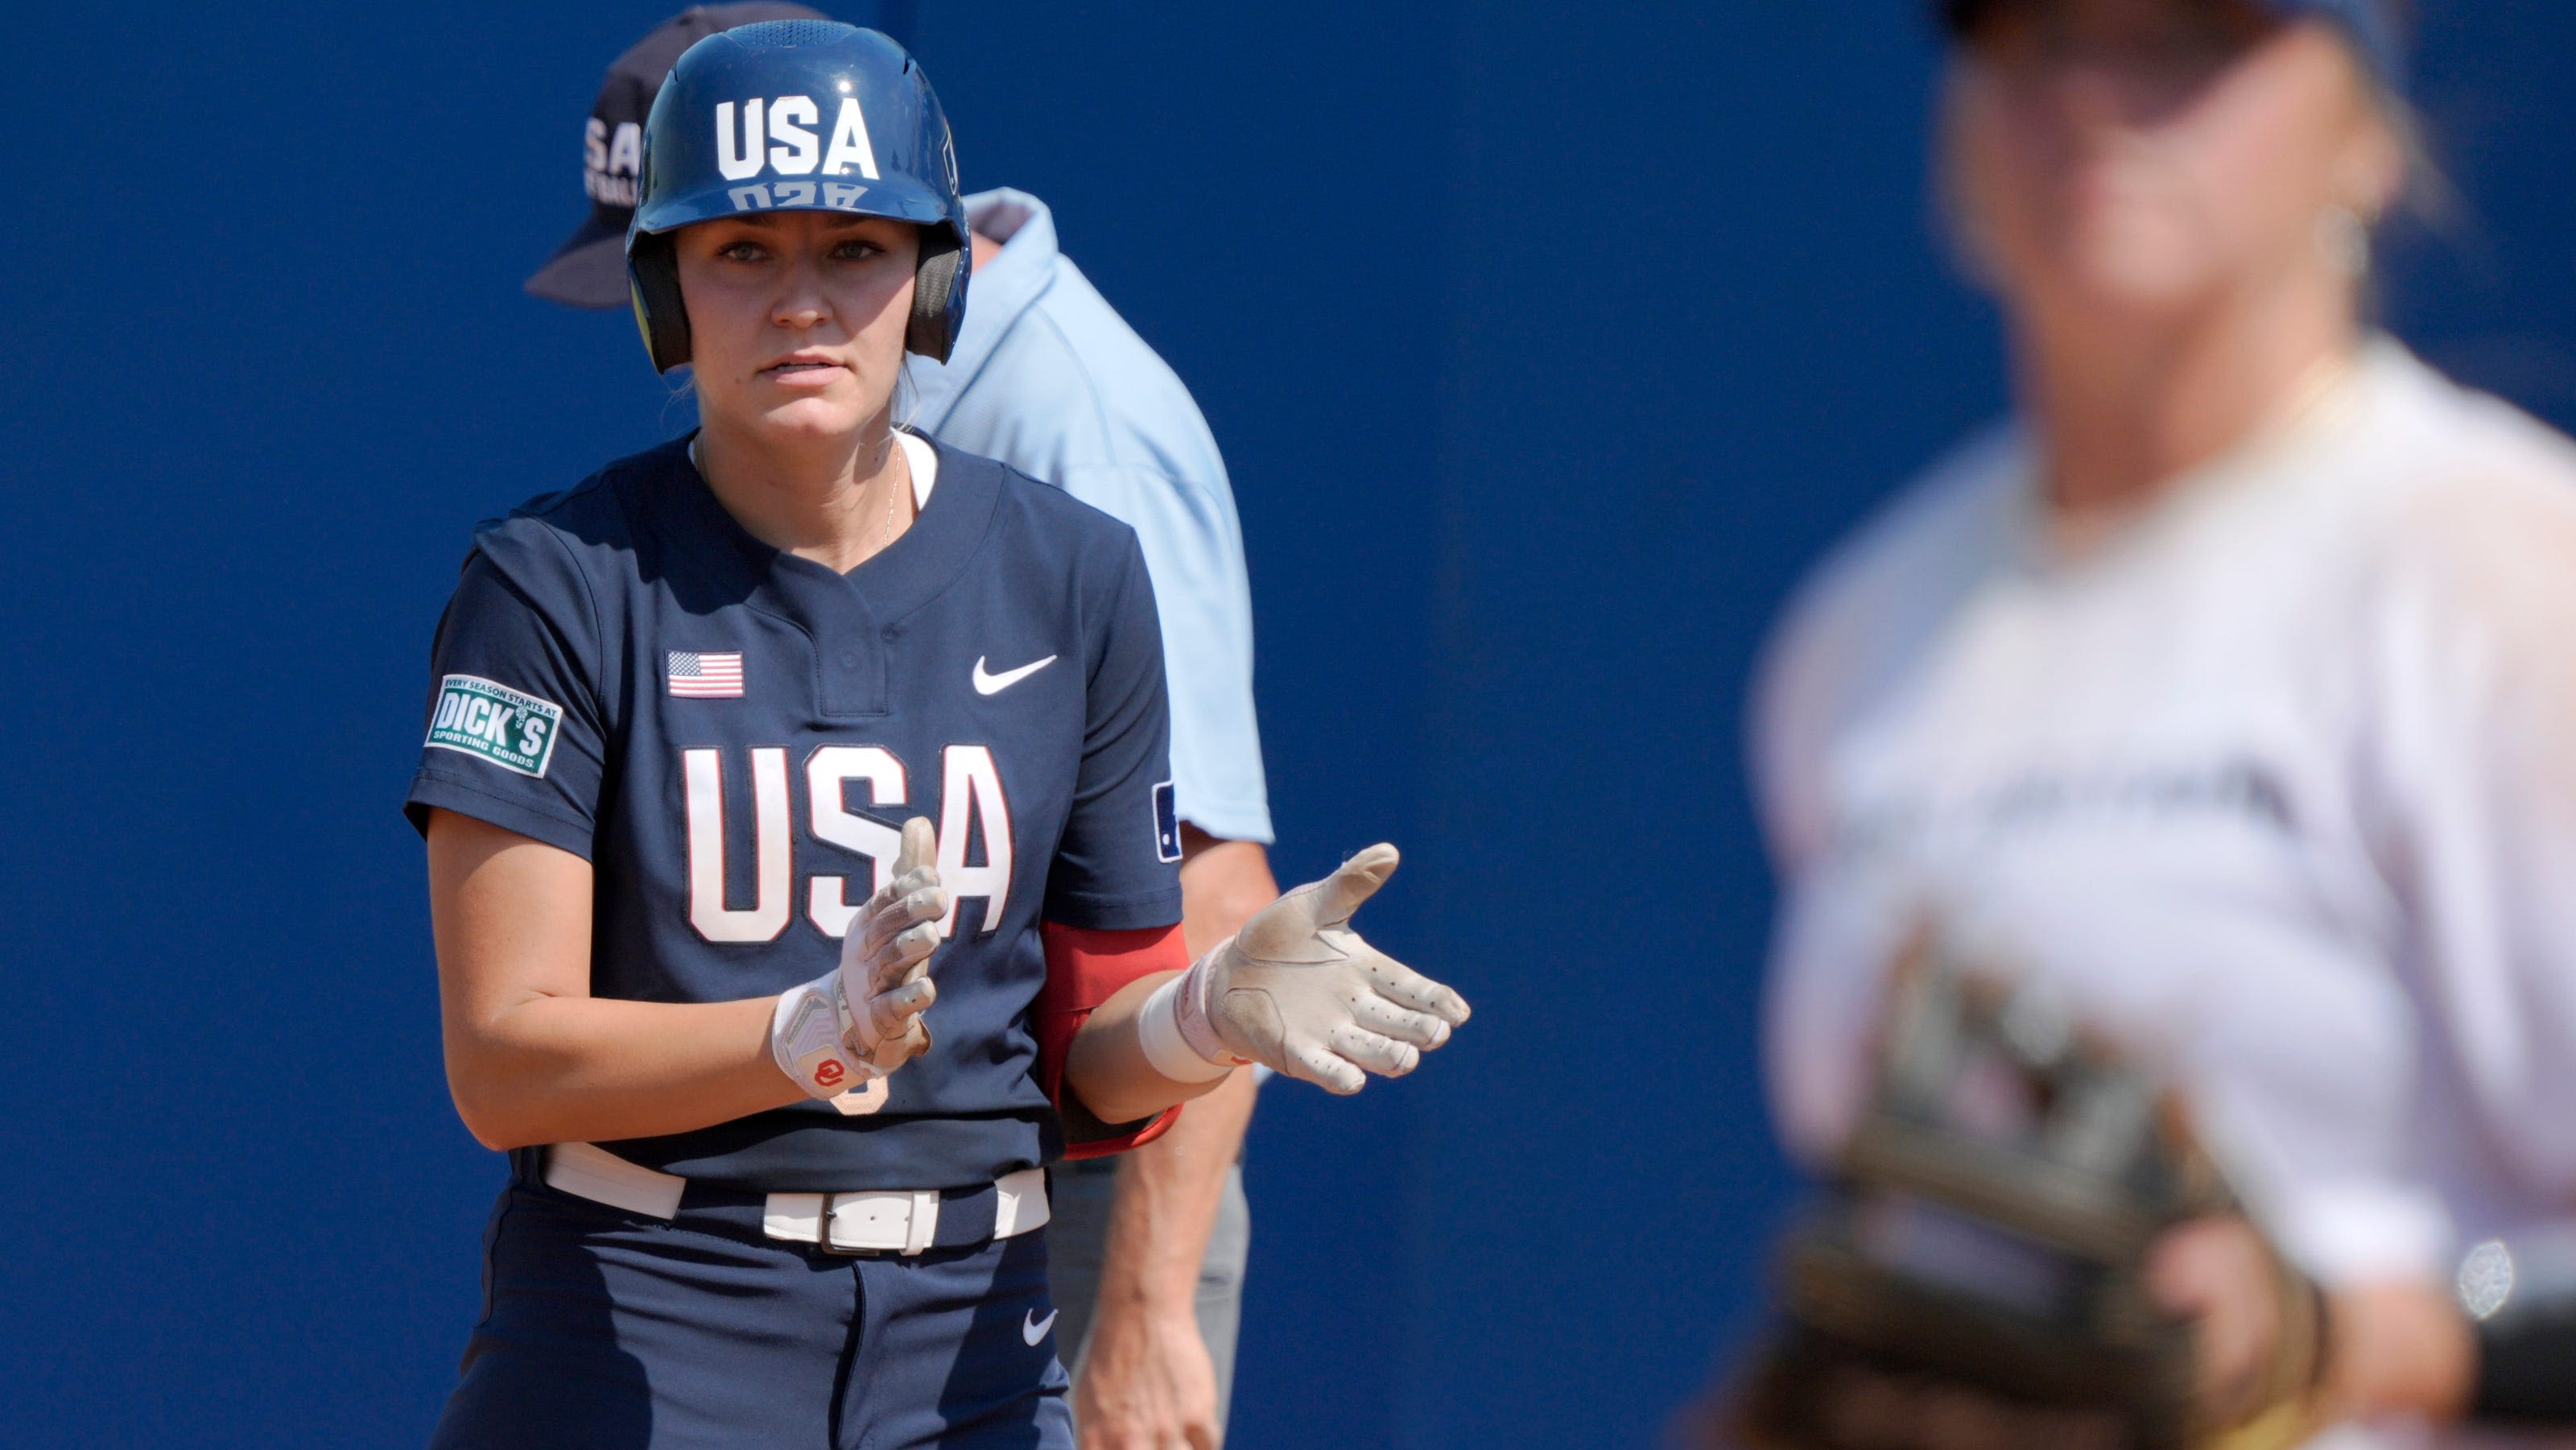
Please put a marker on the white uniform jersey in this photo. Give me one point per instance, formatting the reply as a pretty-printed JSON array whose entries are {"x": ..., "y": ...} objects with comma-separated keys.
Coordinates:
[{"x": 2278, "y": 783}]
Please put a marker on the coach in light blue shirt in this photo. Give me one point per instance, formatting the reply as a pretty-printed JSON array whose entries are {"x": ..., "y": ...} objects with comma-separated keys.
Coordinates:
[{"x": 1047, "y": 378}]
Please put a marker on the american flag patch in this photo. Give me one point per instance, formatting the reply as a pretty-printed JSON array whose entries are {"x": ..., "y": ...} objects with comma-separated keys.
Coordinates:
[{"x": 706, "y": 677}]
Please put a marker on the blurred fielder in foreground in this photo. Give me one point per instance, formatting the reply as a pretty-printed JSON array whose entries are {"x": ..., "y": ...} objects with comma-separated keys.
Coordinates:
[
  {"x": 1146, "y": 1254},
  {"x": 2219, "y": 706}
]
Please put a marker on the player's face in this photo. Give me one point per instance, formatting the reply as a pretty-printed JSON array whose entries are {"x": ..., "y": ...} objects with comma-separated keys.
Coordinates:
[
  {"x": 2146, "y": 157},
  {"x": 796, "y": 319}
]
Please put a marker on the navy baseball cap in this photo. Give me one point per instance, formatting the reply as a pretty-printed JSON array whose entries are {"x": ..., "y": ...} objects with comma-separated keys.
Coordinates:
[
  {"x": 2380, "y": 29},
  {"x": 589, "y": 269}
]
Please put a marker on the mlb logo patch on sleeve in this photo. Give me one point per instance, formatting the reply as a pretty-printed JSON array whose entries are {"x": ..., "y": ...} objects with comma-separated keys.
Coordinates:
[
  {"x": 1167, "y": 823},
  {"x": 509, "y": 729}
]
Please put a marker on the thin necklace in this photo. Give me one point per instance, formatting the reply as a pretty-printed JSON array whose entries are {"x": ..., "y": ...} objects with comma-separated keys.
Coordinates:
[
  {"x": 2321, "y": 383},
  {"x": 885, "y": 539},
  {"x": 2316, "y": 395}
]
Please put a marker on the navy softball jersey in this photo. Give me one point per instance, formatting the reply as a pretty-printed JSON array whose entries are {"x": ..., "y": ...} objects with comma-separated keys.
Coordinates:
[{"x": 733, "y": 737}]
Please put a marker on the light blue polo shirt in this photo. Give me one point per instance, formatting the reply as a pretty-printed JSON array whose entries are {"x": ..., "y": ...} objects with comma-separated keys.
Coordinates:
[{"x": 1048, "y": 379}]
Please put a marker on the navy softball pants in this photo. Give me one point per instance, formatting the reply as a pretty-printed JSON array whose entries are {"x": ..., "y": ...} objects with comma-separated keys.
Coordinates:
[{"x": 603, "y": 1330}]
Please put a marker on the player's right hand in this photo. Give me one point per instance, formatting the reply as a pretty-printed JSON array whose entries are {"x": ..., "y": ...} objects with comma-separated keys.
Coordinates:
[
  {"x": 862, "y": 1020},
  {"x": 885, "y": 958},
  {"x": 1300, "y": 991}
]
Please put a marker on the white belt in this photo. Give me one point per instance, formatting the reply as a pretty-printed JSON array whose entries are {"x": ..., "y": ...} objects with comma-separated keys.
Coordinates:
[{"x": 868, "y": 1221}]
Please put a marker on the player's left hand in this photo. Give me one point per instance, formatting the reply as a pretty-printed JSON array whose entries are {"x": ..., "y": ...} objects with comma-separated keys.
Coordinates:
[
  {"x": 2391, "y": 1346},
  {"x": 1300, "y": 991},
  {"x": 2221, "y": 1274}
]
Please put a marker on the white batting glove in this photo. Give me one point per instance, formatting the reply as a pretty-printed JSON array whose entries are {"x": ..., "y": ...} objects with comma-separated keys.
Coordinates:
[
  {"x": 862, "y": 1020},
  {"x": 1298, "y": 990}
]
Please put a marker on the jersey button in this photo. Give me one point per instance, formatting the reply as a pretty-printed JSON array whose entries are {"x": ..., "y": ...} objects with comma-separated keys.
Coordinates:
[{"x": 849, "y": 661}]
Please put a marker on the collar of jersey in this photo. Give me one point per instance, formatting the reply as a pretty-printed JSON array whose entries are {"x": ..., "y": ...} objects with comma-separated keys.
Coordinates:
[
  {"x": 907, "y": 574},
  {"x": 2284, "y": 452}
]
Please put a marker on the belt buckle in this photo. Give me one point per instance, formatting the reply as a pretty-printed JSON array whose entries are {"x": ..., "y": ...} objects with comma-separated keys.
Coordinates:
[
  {"x": 908, "y": 1225},
  {"x": 823, "y": 1237}
]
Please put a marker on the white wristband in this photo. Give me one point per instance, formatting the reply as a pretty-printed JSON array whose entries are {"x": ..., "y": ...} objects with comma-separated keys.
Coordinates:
[
  {"x": 805, "y": 1040},
  {"x": 1158, "y": 1027}
]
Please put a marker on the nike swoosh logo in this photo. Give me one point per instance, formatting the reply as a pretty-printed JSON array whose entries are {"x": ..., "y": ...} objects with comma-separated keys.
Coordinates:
[
  {"x": 995, "y": 684},
  {"x": 1033, "y": 1328}
]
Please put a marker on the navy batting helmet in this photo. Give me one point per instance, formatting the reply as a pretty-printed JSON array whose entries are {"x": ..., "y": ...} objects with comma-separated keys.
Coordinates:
[{"x": 797, "y": 115}]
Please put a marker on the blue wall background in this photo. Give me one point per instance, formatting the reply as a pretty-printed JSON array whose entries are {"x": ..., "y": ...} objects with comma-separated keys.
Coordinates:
[{"x": 1546, "y": 343}]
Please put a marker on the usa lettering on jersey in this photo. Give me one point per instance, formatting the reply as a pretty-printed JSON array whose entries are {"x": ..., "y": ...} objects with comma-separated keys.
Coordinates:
[{"x": 971, "y": 807}]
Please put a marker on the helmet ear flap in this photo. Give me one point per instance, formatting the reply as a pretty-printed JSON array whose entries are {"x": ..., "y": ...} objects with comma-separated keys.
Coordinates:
[
  {"x": 653, "y": 280},
  {"x": 934, "y": 282}
]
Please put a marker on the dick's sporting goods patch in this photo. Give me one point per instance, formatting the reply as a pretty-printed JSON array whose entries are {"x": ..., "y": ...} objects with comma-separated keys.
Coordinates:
[
  {"x": 511, "y": 730},
  {"x": 1167, "y": 823}
]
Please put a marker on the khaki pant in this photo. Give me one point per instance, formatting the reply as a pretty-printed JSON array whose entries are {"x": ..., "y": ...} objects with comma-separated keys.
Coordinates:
[{"x": 1078, "y": 1233}]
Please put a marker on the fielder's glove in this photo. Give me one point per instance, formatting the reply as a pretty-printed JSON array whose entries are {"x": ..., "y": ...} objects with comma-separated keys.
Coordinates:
[
  {"x": 862, "y": 1020},
  {"x": 1298, "y": 990},
  {"x": 1976, "y": 1275}
]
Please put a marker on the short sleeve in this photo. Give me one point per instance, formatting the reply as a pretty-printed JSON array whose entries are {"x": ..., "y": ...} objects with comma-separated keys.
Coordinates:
[
  {"x": 1193, "y": 546},
  {"x": 1116, "y": 867},
  {"x": 513, "y": 728},
  {"x": 2470, "y": 786}
]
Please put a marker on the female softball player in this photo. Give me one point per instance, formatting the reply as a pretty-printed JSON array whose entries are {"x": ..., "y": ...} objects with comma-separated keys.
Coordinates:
[
  {"x": 2227, "y": 686},
  {"x": 778, "y": 1061}
]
